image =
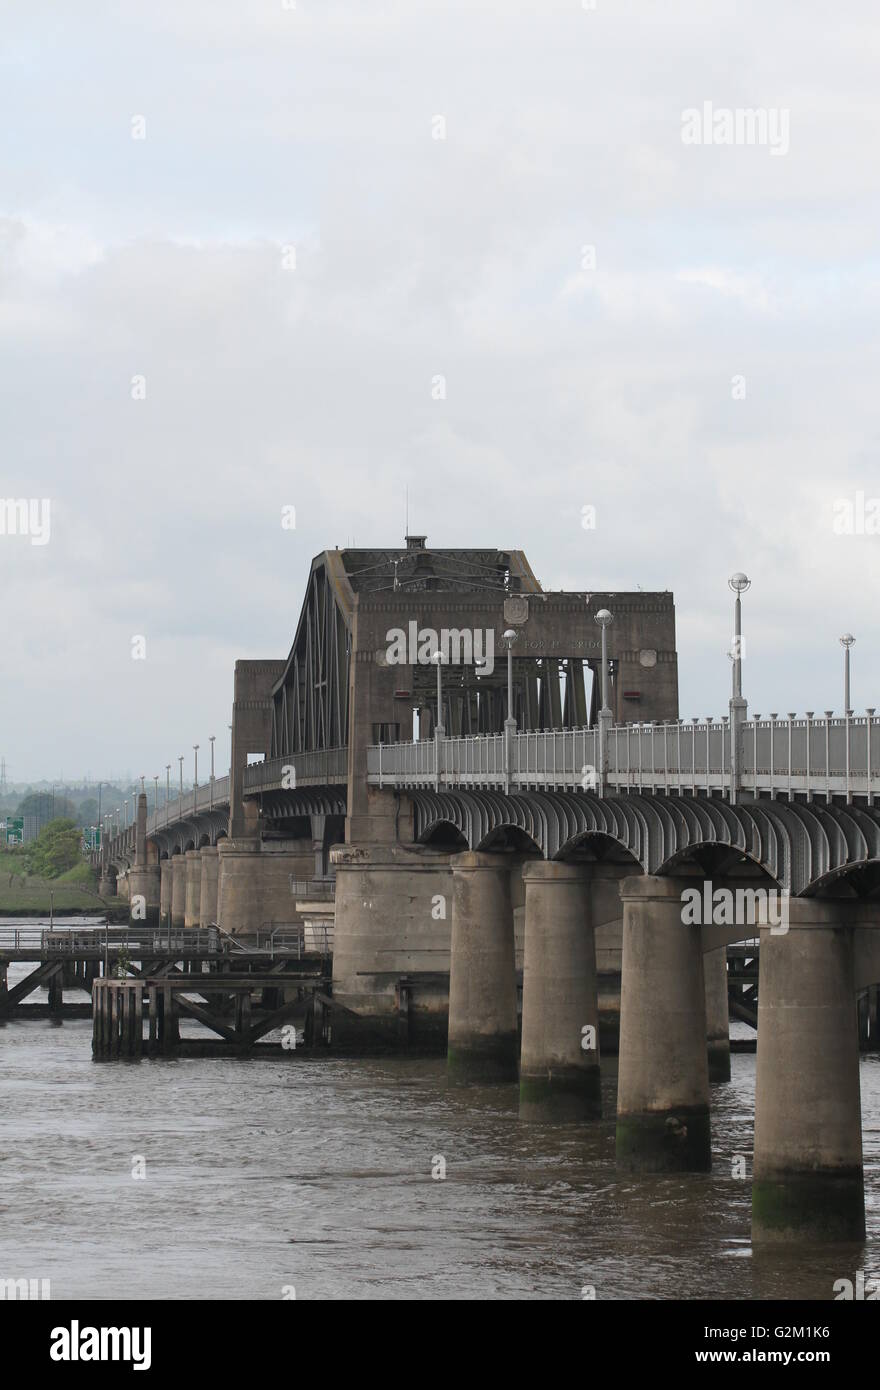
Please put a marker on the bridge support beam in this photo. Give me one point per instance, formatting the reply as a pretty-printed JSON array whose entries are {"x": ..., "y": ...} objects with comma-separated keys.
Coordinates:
[
  {"x": 559, "y": 1062},
  {"x": 808, "y": 1180},
  {"x": 178, "y": 890},
  {"x": 210, "y": 870},
  {"x": 717, "y": 1014},
  {"x": 166, "y": 875},
  {"x": 483, "y": 1040},
  {"x": 145, "y": 895},
  {"x": 663, "y": 1078},
  {"x": 193, "y": 889}
]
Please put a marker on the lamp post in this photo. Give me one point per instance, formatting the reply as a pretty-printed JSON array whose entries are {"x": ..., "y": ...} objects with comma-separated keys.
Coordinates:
[
  {"x": 738, "y": 584},
  {"x": 196, "y": 777},
  {"x": 180, "y": 760},
  {"x": 211, "y": 738},
  {"x": 846, "y": 642},
  {"x": 156, "y": 795},
  {"x": 604, "y": 618},
  {"x": 167, "y": 791},
  {"x": 508, "y": 638},
  {"x": 438, "y": 659},
  {"x": 439, "y": 730}
]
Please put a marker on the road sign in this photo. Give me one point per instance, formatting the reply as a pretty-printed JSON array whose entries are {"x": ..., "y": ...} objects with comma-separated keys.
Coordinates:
[{"x": 14, "y": 830}]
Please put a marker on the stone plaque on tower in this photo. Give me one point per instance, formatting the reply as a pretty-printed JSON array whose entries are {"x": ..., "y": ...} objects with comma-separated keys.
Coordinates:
[{"x": 516, "y": 610}]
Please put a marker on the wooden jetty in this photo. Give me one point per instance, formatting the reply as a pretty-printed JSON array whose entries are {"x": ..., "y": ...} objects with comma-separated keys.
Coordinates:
[{"x": 226, "y": 1005}]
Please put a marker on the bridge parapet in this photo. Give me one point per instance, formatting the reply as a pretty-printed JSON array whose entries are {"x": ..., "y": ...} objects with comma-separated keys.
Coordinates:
[
  {"x": 321, "y": 767},
  {"x": 212, "y": 796},
  {"x": 825, "y": 757}
]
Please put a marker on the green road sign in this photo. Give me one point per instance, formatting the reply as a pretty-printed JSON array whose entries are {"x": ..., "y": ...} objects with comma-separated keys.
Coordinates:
[{"x": 14, "y": 831}]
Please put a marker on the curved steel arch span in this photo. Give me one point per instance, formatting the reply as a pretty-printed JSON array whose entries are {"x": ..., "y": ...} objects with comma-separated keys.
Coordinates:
[{"x": 802, "y": 847}]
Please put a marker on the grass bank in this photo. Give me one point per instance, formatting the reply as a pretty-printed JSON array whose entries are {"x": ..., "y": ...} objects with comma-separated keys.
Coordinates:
[{"x": 27, "y": 895}]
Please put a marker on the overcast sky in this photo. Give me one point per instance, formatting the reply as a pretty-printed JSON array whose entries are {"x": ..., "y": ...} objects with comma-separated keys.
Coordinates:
[{"x": 311, "y": 133}]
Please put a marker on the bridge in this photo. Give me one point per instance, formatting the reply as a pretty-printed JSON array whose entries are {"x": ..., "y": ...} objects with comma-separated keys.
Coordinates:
[{"x": 550, "y": 811}]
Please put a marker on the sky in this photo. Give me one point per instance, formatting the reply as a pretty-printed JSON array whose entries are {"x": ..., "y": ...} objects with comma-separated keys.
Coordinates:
[{"x": 257, "y": 255}]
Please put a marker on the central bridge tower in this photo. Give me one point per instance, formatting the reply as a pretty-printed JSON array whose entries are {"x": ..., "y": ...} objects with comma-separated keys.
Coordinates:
[{"x": 469, "y": 612}]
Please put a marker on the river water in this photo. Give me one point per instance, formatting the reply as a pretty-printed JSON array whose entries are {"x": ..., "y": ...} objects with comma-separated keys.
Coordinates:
[{"x": 314, "y": 1174}]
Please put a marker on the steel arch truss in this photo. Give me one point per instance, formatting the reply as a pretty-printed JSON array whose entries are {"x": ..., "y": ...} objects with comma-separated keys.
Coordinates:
[
  {"x": 306, "y": 801},
  {"x": 803, "y": 847},
  {"x": 310, "y": 701},
  {"x": 174, "y": 840}
]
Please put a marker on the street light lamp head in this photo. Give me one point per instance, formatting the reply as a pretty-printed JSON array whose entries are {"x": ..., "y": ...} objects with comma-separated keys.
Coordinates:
[
  {"x": 437, "y": 658},
  {"x": 509, "y": 636},
  {"x": 847, "y": 639},
  {"x": 739, "y": 582},
  {"x": 604, "y": 618}
]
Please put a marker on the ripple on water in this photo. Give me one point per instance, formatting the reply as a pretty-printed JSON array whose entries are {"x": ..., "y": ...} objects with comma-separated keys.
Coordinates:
[{"x": 261, "y": 1174}]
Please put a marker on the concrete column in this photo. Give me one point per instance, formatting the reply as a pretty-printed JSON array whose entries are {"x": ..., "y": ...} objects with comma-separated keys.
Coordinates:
[
  {"x": 140, "y": 854},
  {"x": 253, "y": 885},
  {"x": 123, "y": 886},
  {"x": 663, "y": 1077},
  {"x": 209, "y": 885},
  {"x": 483, "y": 1040},
  {"x": 178, "y": 890},
  {"x": 606, "y": 913},
  {"x": 192, "y": 892},
  {"x": 145, "y": 895},
  {"x": 318, "y": 827},
  {"x": 717, "y": 1015},
  {"x": 393, "y": 918},
  {"x": 166, "y": 872},
  {"x": 107, "y": 885},
  {"x": 808, "y": 1183},
  {"x": 559, "y": 1076}
]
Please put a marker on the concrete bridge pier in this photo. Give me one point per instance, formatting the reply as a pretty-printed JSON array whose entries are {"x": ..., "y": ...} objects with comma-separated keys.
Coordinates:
[
  {"x": 483, "y": 1035},
  {"x": 193, "y": 888},
  {"x": 663, "y": 1077},
  {"x": 210, "y": 870},
  {"x": 166, "y": 875},
  {"x": 808, "y": 1182},
  {"x": 145, "y": 884},
  {"x": 253, "y": 883},
  {"x": 144, "y": 874},
  {"x": 559, "y": 1063},
  {"x": 717, "y": 1014},
  {"x": 178, "y": 890},
  {"x": 391, "y": 946}
]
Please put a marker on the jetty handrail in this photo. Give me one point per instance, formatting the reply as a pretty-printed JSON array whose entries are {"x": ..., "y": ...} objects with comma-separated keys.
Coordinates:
[{"x": 71, "y": 940}]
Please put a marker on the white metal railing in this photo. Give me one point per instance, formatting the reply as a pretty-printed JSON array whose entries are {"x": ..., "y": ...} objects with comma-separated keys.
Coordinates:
[{"x": 825, "y": 757}]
